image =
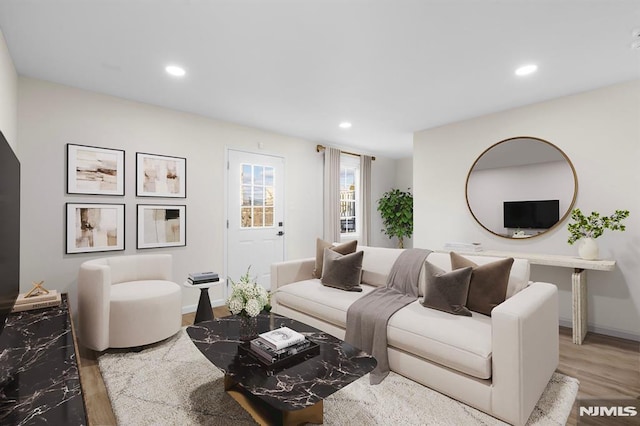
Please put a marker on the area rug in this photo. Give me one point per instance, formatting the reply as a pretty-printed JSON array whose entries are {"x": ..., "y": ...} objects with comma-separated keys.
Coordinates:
[{"x": 172, "y": 383}]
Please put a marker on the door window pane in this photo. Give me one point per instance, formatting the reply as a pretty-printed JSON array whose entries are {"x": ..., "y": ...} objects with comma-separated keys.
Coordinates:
[
  {"x": 245, "y": 217},
  {"x": 258, "y": 196},
  {"x": 246, "y": 195},
  {"x": 258, "y": 217},
  {"x": 247, "y": 176},
  {"x": 258, "y": 175},
  {"x": 257, "y": 190},
  {"x": 268, "y": 196},
  {"x": 268, "y": 176},
  {"x": 268, "y": 216}
]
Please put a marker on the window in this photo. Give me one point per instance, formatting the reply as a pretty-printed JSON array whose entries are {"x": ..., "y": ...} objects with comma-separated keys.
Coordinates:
[
  {"x": 257, "y": 188},
  {"x": 349, "y": 195}
]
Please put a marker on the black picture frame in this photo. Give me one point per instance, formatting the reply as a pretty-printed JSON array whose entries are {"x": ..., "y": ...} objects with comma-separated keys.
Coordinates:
[
  {"x": 160, "y": 176},
  {"x": 93, "y": 170},
  {"x": 94, "y": 227},
  {"x": 161, "y": 225}
]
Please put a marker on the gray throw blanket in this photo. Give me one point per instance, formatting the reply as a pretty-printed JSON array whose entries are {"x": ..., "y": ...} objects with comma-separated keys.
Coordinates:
[{"x": 368, "y": 316}]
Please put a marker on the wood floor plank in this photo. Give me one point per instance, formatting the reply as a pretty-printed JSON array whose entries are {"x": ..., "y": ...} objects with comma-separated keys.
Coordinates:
[{"x": 607, "y": 367}]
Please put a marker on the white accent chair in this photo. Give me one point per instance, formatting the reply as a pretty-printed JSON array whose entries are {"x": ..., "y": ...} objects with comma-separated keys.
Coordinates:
[{"x": 127, "y": 301}]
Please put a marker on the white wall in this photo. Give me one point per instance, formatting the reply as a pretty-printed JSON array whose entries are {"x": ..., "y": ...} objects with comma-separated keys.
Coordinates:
[
  {"x": 50, "y": 116},
  {"x": 8, "y": 96},
  {"x": 404, "y": 182},
  {"x": 600, "y": 132},
  {"x": 383, "y": 172}
]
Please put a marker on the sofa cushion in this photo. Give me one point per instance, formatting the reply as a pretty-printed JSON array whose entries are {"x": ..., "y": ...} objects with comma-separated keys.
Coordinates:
[
  {"x": 458, "y": 342},
  {"x": 447, "y": 291},
  {"x": 377, "y": 263},
  {"x": 342, "y": 271},
  {"x": 316, "y": 300},
  {"x": 488, "y": 287},
  {"x": 518, "y": 278},
  {"x": 346, "y": 248}
]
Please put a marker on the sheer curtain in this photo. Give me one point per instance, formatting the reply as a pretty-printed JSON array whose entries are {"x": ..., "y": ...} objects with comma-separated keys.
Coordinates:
[
  {"x": 332, "y": 194},
  {"x": 365, "y": 199}
]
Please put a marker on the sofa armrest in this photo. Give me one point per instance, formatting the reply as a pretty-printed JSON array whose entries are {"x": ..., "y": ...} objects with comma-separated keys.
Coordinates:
[
  {"x": 525, "y": 350},
  {"x": 94, "y": 290},
  {"x": 291, "y": 271}
]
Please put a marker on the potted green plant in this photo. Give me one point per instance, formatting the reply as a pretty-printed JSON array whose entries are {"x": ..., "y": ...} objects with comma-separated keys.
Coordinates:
[
  {"x": 587, "y": 228},
  {"x": 396, "y": 209}
]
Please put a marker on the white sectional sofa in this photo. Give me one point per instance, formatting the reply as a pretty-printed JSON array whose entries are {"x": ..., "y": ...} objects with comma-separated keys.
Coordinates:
[{"x": 498, "y": 364}]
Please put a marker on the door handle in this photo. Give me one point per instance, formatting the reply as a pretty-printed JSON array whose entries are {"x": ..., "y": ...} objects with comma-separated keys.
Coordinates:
[{"x": 280, "y": 233}]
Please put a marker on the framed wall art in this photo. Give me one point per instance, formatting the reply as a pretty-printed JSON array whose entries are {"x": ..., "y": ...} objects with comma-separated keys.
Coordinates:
[
  {"x": 93, "y": 227},
  {"x": 161, "y": 176},
  {"x": 161, "y": 226},
  {"x": 95, "y": 171}
]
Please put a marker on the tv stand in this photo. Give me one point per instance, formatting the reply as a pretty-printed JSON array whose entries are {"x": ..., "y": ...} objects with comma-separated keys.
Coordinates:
[{"x": 39, "y": 376}]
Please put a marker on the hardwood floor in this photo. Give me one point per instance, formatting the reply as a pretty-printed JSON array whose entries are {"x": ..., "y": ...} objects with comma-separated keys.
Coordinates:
[{"x": 607, "y": 368}]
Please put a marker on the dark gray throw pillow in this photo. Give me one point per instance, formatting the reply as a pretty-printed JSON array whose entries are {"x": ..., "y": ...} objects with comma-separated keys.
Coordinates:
[
  {"x": 488, "y": 287},
  {"x": 447, "y": 291},
  {"x": 344, "y": 248},
  {"x": 342, "y": 271}
]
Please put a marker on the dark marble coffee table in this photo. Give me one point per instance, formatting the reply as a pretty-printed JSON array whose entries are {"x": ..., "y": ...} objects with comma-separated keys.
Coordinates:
[{"x": 292, "y": 394}]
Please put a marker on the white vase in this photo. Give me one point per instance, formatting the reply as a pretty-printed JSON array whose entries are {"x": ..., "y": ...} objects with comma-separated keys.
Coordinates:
[{"x": 588, "y": 248}]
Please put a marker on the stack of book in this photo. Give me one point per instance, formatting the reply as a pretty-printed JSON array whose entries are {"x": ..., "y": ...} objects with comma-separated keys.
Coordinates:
[
  {"x": 203, "y": 277},
  {"x": 465, "y": 247},
  {"x": 280, "y": 345},
  {"x": 43, "y": 300}
]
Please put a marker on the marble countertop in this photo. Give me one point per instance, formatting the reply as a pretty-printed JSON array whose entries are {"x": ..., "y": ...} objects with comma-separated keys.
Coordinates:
[{"x": 39, "y": 377}]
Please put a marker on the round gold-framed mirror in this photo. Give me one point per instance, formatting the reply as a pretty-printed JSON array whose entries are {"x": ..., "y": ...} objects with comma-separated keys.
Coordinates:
[{"x": 521, "y": 187}]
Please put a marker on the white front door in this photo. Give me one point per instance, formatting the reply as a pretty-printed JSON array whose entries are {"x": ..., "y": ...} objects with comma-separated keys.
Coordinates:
[{"x": 255, "y": 214}]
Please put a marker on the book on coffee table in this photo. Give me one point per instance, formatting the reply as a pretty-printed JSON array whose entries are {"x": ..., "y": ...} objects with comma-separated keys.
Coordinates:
[
  {"x": 281, "y": 338},
  {"x": 285, "y": 357},
  {"x": 271, "y": 355}
]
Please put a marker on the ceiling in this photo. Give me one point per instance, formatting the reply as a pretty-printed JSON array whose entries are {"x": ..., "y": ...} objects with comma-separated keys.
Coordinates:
[{"x": 300, "y": 67}]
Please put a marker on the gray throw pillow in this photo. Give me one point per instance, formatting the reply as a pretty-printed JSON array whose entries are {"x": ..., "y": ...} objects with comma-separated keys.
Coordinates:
[
  {"x": 447, "y": 291},
  {"x": 342, "y": 271},
  {"x": 488, "y": 287},
  {"x": 345, "y": 248}
]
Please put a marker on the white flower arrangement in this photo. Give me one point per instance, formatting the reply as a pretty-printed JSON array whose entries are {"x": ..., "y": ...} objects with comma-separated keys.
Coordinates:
[{"x": 247, "y": 297}]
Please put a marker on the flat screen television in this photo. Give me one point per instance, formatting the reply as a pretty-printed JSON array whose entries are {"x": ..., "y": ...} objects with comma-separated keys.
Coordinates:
[
  {"x": 539, "y": 214},
  {"x": 9, "y": 229}
]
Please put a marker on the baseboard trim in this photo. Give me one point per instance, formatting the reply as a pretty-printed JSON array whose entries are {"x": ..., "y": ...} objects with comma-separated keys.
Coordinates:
[
  {"x": 187, "y": 309},
  {"x": 603, "y": 330}
]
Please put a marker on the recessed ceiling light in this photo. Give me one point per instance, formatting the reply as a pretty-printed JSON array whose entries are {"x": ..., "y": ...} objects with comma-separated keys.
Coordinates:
[
  {"x": 345, "y": 125},
  {"x": 175, "y": 71},
  {"x": 527, "y": 69}
]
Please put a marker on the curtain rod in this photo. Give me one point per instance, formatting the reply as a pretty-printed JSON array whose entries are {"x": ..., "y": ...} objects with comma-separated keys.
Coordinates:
[{"x": 320, "y": 148}]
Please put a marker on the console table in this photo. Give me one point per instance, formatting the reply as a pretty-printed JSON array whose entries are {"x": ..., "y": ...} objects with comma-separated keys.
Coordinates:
[
  {"x": 578, "y": 280},
  {"x": 39, "y": 376}
]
